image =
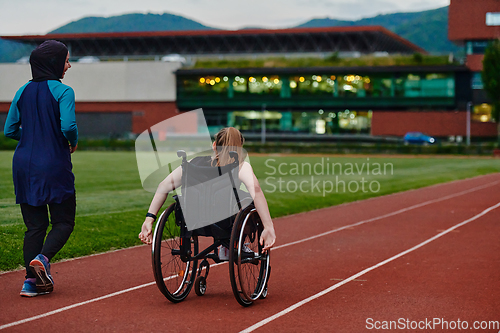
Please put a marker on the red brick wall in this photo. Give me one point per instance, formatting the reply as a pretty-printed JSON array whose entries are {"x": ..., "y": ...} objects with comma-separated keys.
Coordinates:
[
  {"x": 144, "y": 114},
  {"x": 467, "y": 19},
  {"x": 475, "y": 62},
  {"x": 435, "y": 123},
  {"x": 484, "y": 129}
]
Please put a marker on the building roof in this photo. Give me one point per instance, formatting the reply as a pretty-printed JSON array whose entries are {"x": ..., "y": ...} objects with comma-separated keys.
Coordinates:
[{"x": 366, "y": 39}]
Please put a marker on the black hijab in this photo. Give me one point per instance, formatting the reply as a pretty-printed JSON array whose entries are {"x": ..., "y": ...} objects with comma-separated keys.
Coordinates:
[{"x": 47, "y": 61}]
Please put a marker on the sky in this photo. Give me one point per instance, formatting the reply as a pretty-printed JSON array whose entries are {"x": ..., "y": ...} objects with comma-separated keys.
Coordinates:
[{"x": 22, "y": 17}]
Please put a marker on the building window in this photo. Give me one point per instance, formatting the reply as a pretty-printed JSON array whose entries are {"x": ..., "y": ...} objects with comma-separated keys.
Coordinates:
[
  {"x": 264, "y": 84},
  {"x": 482, "y": 113},
  {"x": 493, "y": 19},
  {"x": 468, "y": 47},
  {"x": 476, "y": 46},
  {"x": 429, "y": 85},
  {"x": 358, "y": 86},
  {"x": 312, "y": 84},
  {"x": 215, "y": 121},
  {"x": 307, "y": 122},
  {"x": 353, "y": 85},
  {"x": 204, "y": 85},
  {"x": 251, "y": 121},
  {"x": 477, "y": 81}
]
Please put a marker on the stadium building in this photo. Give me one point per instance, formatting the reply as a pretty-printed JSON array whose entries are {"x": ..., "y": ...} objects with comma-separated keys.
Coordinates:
[
  {"x": 473, "y": 25},
  {"x": 123, "y": 86}
]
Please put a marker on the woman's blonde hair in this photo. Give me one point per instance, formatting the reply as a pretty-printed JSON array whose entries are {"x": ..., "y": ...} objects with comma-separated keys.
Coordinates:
[{"x": 226, "y": 140}]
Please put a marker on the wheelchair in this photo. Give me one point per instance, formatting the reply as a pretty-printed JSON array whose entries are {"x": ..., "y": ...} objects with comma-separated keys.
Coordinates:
[{"x": 178, "y": 262}]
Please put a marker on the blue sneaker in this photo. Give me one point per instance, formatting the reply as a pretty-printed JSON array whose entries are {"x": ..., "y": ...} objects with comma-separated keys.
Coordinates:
[
  {"x": 41, "y": 267},
  {"x": 29, "y": 289}
]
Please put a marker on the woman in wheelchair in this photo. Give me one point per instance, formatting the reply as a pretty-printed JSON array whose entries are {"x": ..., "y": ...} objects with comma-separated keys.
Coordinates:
[{"x": 252, "y": 231}]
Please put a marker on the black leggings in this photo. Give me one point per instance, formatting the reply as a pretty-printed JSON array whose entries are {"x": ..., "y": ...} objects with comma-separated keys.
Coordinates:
[{"x": 36, "y": 218}]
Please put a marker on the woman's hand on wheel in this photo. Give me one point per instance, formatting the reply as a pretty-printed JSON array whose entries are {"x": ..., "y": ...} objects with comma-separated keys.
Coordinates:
[
  {"x": 146, "y": 235},
  {"x": 267, "y": 238}
]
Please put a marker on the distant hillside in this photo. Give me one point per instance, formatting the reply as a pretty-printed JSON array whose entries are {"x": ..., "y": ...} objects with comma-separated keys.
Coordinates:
[
  {"x": 427, "y": 29},
  {"x": 11, "y": 51},
  {"x": 131, "y": 22}
]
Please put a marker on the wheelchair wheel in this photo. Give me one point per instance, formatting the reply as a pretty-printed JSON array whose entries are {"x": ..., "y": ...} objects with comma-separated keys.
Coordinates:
[
  {"x": 248, "y": 265},
  {"x": 265, "y": 291},
  {"x": 174, "y": 277}
]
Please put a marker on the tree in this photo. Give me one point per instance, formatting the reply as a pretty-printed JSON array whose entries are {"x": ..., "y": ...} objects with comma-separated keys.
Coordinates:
[{"x": 491, "y": 78}]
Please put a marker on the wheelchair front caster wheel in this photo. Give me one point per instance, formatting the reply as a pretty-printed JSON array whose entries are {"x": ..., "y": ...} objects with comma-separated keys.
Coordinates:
[{"x": 200, "y": 286}]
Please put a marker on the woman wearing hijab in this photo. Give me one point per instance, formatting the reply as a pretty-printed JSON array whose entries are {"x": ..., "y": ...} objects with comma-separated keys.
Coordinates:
[{"x": 42, "y": 118}]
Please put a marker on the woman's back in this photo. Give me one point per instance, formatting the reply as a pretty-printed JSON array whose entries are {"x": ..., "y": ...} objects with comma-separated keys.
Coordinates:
[
  {"x": 42, "y": 163},
  {"x": 42, "y": 118}
]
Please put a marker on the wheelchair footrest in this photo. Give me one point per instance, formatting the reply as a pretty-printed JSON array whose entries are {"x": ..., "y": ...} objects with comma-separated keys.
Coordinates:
[{"x": 215, "y": 258}]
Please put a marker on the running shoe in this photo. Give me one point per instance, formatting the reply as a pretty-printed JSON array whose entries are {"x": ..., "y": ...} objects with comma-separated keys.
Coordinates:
[
  {"x": 247, "y": 253},
  {"x": 223, "y": 253},
  {"x": 41, "y": 267},
  {"x": 29, "y": 289}
]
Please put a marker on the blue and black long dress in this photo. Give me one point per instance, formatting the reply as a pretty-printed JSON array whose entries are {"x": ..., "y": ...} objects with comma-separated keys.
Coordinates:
[{"x": 42, "y": 118}]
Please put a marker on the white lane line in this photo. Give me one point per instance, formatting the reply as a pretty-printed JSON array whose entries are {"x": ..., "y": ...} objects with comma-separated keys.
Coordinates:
[
  {"x": 74, "y": 306},
  {"x": 274, "y": 248},
  {"x": 335, "y": 286},
  {"x": 403, "y": 210},
  {"x": 86, "y": 302},
  {"x": 69, "y": 307}
]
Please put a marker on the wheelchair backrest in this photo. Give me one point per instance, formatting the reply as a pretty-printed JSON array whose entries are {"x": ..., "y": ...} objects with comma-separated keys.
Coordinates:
[{"x": 209, "y": 194}]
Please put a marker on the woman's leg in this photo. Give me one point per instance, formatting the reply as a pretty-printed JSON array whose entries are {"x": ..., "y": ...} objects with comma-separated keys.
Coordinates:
[
  {"x": 62, "y": 218},
  {"x": 36, "y": 220}
]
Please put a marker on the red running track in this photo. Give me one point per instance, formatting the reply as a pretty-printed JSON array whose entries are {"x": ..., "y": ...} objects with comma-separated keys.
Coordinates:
[{"x": 428, "y": 257}]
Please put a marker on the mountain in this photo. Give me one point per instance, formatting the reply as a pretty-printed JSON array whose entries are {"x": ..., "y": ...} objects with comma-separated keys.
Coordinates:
[
  {"x": 427, "y": 29},
  {"x": 131, "y": 22},
  {"x": 11, "y": 51}
]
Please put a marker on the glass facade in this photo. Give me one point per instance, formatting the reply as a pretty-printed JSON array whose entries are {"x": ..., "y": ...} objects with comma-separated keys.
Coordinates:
[
  {"x": 322, "y": 103},
  {"x": 351, "y": 85},
  {"x": 305, "y": 122}
]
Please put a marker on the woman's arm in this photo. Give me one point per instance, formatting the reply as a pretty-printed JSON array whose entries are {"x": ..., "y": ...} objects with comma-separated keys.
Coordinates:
[
  {"x": 65, "y": 95},
  {"x": 68, "y": 118},
  {"x": 13, "y": 122},
  {"x": 247, "y": 176},
  {"x": 169, "y": 184},
  {"x": 12, "y": 125}
]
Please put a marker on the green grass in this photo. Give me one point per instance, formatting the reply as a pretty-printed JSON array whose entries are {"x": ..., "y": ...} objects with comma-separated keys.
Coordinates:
[
  {"x": 408, "y": 173},
  {"x": 333, "y": 60},
  {"x": 111, "y": 203}
]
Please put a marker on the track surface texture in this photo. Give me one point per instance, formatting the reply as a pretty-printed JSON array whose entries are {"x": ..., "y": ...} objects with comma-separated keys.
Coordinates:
[{"x": 411, "y": 258}]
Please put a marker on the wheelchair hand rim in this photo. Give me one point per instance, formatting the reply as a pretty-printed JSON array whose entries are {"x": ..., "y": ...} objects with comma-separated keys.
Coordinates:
[{"x": 253, "y": 296}]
